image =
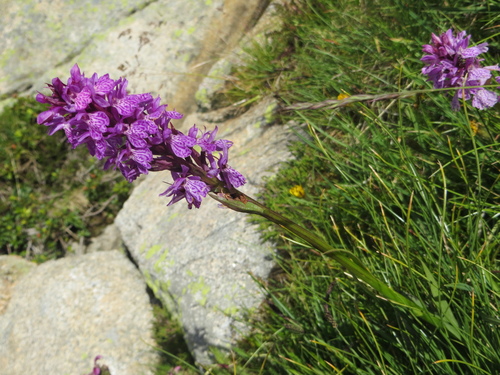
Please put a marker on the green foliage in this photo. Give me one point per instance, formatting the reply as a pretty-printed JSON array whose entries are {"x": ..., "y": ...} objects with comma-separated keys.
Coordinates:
[
  {"x": 172, "y": 348},
  {"x": 49, "y": 194},
  {"x": 407, "y": 185}
]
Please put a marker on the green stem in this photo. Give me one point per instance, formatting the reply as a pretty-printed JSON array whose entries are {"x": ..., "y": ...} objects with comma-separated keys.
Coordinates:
[
  {"x": 240, "y": 202},
  {"x": 336, "y": 103}
]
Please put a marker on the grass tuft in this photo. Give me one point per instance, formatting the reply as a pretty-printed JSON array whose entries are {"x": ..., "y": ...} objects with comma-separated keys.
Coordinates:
[{"x": 406, "y": 184}]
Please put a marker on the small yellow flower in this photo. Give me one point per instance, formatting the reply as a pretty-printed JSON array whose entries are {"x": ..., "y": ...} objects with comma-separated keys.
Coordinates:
[
  {"x": 343, "y": 96},
  {"x": 474, "y": 125},
  {"x": 298, "y": 191}
]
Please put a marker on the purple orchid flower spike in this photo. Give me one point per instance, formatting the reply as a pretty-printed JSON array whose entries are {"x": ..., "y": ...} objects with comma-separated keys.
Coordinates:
[
  {"x": 134, "y": 134},
  {"x": 452, "y": 63}
]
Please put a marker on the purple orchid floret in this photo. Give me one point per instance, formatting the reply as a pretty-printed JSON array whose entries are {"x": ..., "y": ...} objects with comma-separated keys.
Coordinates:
[
  {"x": 134, "y": 134},
  {"x": 97, "y": 369},
  {"x": 187, "y": 187},
  {"x": 452, "y": 63}
]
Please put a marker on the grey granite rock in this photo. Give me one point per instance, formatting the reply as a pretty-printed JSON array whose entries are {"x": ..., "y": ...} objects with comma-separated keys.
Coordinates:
[
  {"x": 65, "y": 312},
  {"x": 210, "y": 92},
  {"x": 12, "y": 269},
  {"x": 200, "y": 262},
  {"x": 165, "y": 46},
  {"x": 38, "y": 35},
  {"x": 110, "y": 239}
]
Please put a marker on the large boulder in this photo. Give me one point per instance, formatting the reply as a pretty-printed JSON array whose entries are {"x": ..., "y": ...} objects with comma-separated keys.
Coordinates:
[
  {"x": 12, "y": 269},
  {"x": 201, "y": 262},
  {"x": 165, "y": 47},
  {"x": 40, "y": 35},
  {"x": 63, "y": 313}
]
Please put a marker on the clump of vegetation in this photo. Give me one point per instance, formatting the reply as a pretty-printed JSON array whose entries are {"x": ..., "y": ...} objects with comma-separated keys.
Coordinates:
[
  {"x": 49, "y": 196},
  {"x": 175, "y": 357},
  {"x": 408, "y": 185}
]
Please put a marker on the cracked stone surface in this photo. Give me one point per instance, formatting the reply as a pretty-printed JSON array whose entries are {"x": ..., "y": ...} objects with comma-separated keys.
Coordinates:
[{"x": 65, "y": 312}]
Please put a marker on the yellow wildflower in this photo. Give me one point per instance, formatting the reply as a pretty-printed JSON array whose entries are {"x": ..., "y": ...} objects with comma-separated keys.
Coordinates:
[
  {"x": 298, "y": 191},
  {"x": 474, "y": 125},
  {"x": 343, "y": 96}
]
